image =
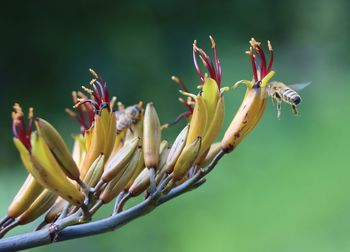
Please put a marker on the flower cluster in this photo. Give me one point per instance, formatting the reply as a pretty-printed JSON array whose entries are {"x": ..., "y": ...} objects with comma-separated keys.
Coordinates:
[{"x": 120, "y": 153}]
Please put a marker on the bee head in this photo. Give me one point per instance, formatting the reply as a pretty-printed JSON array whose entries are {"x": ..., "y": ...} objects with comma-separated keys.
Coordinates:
[
  {"x": 139, "y": 108},
  {"x": 134, "y": 111}
]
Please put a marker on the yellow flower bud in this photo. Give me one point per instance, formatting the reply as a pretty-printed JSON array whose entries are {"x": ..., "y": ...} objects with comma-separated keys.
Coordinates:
[{"x": 151, "y": 137}]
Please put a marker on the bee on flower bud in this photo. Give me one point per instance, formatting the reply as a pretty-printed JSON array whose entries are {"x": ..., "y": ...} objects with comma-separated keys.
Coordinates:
[{"x": 126, "y": 117}]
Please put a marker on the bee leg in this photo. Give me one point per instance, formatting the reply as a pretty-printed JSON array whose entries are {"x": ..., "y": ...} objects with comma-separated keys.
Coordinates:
[
  {"x": 131, "y": 130},
  {"x": 279, "y": 108},
  {"x": 294, "y": 110}
]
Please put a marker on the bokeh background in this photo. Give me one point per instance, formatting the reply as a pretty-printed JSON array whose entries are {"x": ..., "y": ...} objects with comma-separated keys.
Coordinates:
[{"x": 286, "y": 188}]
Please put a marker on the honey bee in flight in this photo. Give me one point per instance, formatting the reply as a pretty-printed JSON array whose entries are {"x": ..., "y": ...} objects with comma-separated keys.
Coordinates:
[
  {"x": 128, "y": 116},
  {"x": 281, "y": 92}
]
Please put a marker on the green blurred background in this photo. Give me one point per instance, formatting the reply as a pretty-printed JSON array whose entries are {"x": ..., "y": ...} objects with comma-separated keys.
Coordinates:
[{"x": 284, "y": 189}]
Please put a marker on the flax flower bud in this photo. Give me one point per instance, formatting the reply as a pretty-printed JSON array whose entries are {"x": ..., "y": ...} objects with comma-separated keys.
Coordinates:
[
  {"x": 254, "y": 102},
  {"x": 97, "y": 120},
  {"x": 186, "y": 159},
  {"x": 207, "y": 110},
  {"x": 152, "y": 137},
  {"x": 58, "y": 148}
]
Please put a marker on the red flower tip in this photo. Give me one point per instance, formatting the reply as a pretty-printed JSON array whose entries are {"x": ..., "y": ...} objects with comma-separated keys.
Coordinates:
[
  {"x": 215, "y": 72},
  {"x": 261, "y": 69},
  {"x": 189, "y": 103},
  {"x": 19, "y": 129},
  {"x": 99, "y": 96},
  {"x": 85, "y": 112},
  {"x": 87, "y": 107}
]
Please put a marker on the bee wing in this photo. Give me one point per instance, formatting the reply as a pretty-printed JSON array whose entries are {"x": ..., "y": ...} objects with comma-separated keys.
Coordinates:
[{"x": 299, "y": 86}]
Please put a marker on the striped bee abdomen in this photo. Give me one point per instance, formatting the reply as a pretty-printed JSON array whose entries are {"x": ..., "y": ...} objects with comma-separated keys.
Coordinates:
[{"x": 290, "y": 96}]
